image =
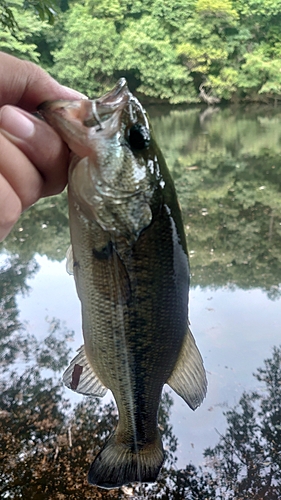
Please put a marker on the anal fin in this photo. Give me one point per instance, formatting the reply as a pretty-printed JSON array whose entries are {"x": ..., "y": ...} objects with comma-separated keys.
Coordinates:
[
  {"x": 188, "y": 378},
  {"x": 81, "y": 378}
]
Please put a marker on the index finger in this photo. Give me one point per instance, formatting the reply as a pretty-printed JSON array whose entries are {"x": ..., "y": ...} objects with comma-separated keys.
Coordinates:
[{"x": 26, "y": 85}]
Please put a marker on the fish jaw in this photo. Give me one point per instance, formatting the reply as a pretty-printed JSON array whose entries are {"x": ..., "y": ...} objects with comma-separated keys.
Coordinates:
[{"x": 77, "y": 122}]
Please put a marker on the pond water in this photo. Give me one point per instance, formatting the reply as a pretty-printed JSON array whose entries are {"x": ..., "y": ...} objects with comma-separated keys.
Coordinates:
[{"x": 227, "y": 169}]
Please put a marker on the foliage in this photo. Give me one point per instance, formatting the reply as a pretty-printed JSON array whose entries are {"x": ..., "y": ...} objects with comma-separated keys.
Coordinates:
[
  {"x": 28, "y": 36},
  {"x": 261, "y": 72},
  {"x": 163, "y": 77},
  {"x": 247, "y": 460},
  {"x": 85, "y": 61},
  {"x": 19, "y": 42},
  {"x": 9, "y": 18},
  {"x": 165, "y": 49}
]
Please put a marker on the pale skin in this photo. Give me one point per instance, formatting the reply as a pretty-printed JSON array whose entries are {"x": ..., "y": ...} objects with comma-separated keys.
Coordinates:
[{"x": 33, "y": 158}]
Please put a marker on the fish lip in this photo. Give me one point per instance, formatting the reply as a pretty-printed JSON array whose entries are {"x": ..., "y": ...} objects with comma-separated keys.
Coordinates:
[
  {"x": 80, "y": 122},
  {"x": 88, "y": 109},
  {"x": 115, "y": 95}
]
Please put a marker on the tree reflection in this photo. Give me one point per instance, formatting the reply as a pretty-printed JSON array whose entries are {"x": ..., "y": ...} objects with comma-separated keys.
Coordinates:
[
  {"x": 46, "y": 446},
  {"x": 247, "y": 459},
  {"x": 227, "y": 174},
  {"x": 229, "y": 187},
  {"x": 13, "y": 274},
  {"x": 42, "y": 229},
  {"x": 188, "y": 483}
]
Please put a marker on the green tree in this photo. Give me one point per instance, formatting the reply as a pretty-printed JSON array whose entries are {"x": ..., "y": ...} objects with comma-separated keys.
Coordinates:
[
  {"x": 86, "y": 60},
  {"x": 205, "y": 49},
  {"x": 259, "y": 68},
  {"x": 20, "y": 42},
  {"x": 165, "y": 49},
  {"x": 261, "y": 73},
  {"x": 44, "y": 9},
  {"x": 102, "y": 44},
  {"x": 162, "y": 76}
]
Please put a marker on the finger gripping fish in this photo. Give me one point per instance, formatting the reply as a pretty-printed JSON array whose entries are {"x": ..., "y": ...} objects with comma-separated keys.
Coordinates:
[{"x": 131, "y": 270}]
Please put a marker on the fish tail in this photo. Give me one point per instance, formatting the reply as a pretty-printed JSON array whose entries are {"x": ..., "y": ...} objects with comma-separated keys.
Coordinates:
[{"x": 118, "y": 464}]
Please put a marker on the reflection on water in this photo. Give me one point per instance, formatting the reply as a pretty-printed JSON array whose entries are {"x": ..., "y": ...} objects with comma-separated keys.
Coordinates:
[
  {"x": 248, "y": 456},
  {"x": 228, "y": 179},
  {"x": 226, "y": 166}
]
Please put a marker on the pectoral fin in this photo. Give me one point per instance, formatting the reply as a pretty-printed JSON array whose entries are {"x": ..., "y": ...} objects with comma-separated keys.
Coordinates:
[
  {"x": 69, "y": 260},
  {"x": 188, "y": 378},
  {"x": 81, "y": 378}
]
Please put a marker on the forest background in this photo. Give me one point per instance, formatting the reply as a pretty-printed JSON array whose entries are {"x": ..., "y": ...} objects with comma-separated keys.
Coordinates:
[{"x": 165, "y": 48}]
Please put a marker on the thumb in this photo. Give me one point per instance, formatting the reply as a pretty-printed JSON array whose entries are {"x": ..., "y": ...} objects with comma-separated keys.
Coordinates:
[{"x": 40, "y": 144}]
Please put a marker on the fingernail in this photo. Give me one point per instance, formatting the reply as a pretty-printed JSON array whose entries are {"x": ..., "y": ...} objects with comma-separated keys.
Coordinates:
[{"x": 16, "y": 123}]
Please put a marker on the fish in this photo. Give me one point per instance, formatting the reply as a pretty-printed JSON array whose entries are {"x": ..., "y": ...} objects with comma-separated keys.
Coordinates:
[{"x": 130, "y": 263}]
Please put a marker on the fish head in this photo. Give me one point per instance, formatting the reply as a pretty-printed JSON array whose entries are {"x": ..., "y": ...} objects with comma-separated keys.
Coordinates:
[{"x": 114, "y": 173}]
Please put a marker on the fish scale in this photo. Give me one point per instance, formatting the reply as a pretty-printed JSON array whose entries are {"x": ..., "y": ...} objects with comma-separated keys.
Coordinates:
[{"x": 131, "y": 269}]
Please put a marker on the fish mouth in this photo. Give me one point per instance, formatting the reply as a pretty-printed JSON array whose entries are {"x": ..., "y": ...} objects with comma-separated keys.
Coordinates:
[
  {"x": 77, "y": 122},
  {"x": 90, "y": 112}
]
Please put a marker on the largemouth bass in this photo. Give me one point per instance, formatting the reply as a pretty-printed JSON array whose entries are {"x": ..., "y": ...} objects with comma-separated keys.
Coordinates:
[{"x": 131, "y": 270}]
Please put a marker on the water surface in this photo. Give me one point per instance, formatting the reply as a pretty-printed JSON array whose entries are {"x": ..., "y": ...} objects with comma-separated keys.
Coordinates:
[{"x": 226, "y": 166}]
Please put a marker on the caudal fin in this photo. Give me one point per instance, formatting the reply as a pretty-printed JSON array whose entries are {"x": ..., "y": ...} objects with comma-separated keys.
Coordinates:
[{"x": 117, "y": 464}]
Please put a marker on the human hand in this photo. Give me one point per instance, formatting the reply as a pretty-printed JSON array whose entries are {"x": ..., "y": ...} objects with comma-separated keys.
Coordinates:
[{"x": 33, "y": 158}]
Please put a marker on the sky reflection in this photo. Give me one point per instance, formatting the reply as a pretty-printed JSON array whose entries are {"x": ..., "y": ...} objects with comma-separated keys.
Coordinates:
[{"x": 234, "y": 329}]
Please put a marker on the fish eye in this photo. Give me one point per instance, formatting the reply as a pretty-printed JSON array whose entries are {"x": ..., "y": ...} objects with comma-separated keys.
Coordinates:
[{"x": 138, "y": 136}]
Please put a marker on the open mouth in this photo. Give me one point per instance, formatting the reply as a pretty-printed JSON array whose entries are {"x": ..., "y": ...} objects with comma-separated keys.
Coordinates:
[{"x": 90, "y": 113}]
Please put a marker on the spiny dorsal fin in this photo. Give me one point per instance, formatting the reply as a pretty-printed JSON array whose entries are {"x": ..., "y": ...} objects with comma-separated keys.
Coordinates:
[
  {"x": 189, "y": 378},
  {"x": 81, "y": 378}
]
